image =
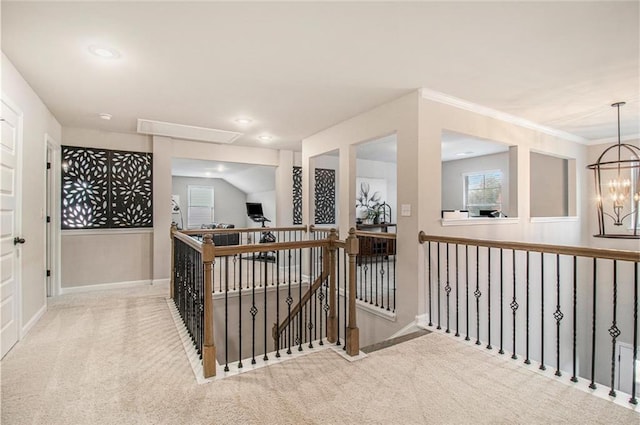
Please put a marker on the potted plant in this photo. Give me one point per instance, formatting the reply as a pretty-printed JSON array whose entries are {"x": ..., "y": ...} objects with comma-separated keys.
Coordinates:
[{"x": 367, "y": 204}]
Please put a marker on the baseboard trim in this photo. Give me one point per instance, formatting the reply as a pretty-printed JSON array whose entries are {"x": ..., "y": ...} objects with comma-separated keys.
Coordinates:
[
  {"x": 161, "y": 281},
  {"x": 31, "y": 323},
  {"x": 103, "y": 286}
]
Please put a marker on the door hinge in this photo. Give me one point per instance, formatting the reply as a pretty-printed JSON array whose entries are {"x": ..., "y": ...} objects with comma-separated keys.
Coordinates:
[
  {"x": 48, "y": 273},
  {"x": 48, "y": 165}
]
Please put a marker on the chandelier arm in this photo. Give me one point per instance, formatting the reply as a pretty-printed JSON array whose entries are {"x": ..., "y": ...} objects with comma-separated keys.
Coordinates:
[{"x": 609, "y": 215}]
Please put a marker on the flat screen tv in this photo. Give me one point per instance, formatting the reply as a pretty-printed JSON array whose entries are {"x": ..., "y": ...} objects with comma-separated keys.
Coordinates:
[{"x": 254, "y": 209}]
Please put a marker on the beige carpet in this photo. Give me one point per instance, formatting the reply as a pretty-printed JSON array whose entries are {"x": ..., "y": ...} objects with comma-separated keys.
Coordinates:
[{"x": 115, "y": 357}]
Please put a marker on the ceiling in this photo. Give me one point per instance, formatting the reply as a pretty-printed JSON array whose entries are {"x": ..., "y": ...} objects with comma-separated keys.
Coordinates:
[
  {"x": 246, "y": 177},
  {"x": 298, "y": 68},
  {"x": 459, "y": 146}
]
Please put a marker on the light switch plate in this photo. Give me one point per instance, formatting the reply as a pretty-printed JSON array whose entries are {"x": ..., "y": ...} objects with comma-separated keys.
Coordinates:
[{"x": 405, "y": 210}]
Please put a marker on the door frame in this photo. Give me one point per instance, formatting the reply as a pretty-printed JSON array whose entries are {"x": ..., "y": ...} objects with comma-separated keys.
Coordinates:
[{"x": 52, "y": 187}]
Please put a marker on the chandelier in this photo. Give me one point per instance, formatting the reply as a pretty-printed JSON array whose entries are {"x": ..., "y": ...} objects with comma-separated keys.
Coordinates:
[{"x": 617, "y": 177}]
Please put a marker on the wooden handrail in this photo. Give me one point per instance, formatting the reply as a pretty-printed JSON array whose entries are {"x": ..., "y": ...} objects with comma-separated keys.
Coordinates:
[
  {"x": 243, "y": 230},
  {"x": 610, "y": 254},
  {"x": 313, "y": 229},
  {"x": 379, "y": 235},
  {"x": 227, "y": 250},
  {"x": 278, "y": 329},
  {"x": 195, "y": 244}
]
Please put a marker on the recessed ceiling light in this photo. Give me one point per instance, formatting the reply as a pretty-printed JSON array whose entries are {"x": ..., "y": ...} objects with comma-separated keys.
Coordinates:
[
  {"x": 265, "y": 138},
  {"x": 105, "y": 116},
  {"x": 244, "y": 121},
  {"x": 207, "y": 173},
  {"x": 464, "y": 153},
  {"x": 220, "y": 168},
  {"x": 104, "y": 52}
]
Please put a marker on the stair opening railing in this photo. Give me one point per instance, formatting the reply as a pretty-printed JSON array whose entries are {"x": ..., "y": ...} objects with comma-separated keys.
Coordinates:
[
  {"x": 578, "y": 303},
  {"x": 260, "y": 287},
  {"x": 376, "y": 269}
]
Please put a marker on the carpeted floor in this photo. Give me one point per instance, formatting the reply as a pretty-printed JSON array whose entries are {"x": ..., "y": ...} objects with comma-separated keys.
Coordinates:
[{"x": 114, "y": 357}]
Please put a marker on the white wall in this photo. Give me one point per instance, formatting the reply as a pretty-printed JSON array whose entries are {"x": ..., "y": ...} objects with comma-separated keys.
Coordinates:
[
  {"x": 229, "y": 201},
  {"x": 453, "y": 179},
  {"x": 549, "y": 186},
  {"x": 38, "y": 123},
  {"x": 400, "y": 117}
]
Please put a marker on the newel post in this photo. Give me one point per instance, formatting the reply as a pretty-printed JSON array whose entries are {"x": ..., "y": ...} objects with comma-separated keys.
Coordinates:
[
  {"x": 174, "y": 229},
  {"x": 353, "y": 333},
  {"x": 332, "y": 324},
  {"x": 208, "y": 349}
]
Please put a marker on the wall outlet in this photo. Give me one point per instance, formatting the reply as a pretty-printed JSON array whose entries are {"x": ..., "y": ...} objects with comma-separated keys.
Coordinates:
[{"x": 405, "y": 210}]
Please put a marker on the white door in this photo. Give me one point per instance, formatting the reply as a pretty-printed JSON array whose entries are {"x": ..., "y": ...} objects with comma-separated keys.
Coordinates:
[
  {"x": 10, "y": 241},
  {"x": 625, "y": 369}
]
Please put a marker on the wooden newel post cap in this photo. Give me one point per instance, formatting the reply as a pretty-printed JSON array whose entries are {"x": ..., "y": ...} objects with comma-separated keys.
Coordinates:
[
  {"x": 352, "y": 246},
  {"x": 208, "y": 239}
]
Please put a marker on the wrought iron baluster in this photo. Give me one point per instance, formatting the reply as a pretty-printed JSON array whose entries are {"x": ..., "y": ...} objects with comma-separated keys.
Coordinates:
[
  {"x": 240, "y": 316},
  {"x": 300, "y": 313},
  {"x": 575, "y": 316},
  {"x": 514, "y": 303},
  {"x": 289, "y": 302},
  {"x": 614, "y": 332},
  {"x": 489, "y": 347},
  {"x": 527, "y": 360},
  {"x": 633, "y": 399},
  {"x": 430, "y": 278},
  {"x": 592, "y": 385},
  {"x": 477, "y": 294},
  {"x": 438, "y": 281},
  {"x": 501, "y": 351},
  {"x": 457, "y": 285},
  {"x": 226, "y": 316},
  {"x": 277, "y": 341},
  {"x": 466, "y": 282},
  {"x": 542, "y": 366},
  {"x": 253, "y": 311},
  {"x": 558, "y": 315},
  {"x": 447, "y": 288},
  {"x": 266, "y": 267}
]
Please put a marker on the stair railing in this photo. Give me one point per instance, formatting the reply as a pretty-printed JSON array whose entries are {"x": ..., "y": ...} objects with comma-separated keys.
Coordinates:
[
  {"x": 266, "y": 275},
  {"x": 564, "y": 307}
]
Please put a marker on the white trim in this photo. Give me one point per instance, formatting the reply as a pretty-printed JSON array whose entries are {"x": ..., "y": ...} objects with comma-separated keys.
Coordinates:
[
  {"x": 411, "y": 327},
  {"x": 376, "y": 311},
  {"x": 165, "y": 281},
  {"x": 493, "y": 113},
  {"x": 614, "y": 139},
  {"x": 186, "y": 132},
  {"x": 477, "y": 221},
  {"x": 94, "y": 232},
  {"x": 56, "y": 275},
  {"x": 564, "y": 219},
  {"x": 103, "y": 286},
  {"x": 26, "y": 328}
]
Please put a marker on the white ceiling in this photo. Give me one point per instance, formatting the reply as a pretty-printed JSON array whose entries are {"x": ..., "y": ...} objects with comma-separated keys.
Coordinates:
[
  {"x": 459, "y": 146},
  {"x": 297, "y": 68},
  {"x": 248, "y": 178}
]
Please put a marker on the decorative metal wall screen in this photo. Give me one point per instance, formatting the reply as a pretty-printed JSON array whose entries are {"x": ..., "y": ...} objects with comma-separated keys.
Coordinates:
[
  {"x": 297, "y": 195},
  {"x": 106, "y": 189},
  {"x": 325, "y": 196}
]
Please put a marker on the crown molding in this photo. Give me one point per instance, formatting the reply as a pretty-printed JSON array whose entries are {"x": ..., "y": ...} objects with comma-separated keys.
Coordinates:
[
  {"x": 609, "y": 140},
  {"x": 502, "y": 116}
]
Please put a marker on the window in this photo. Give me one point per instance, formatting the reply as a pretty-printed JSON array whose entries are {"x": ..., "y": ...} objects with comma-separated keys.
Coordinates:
[
  {"x": 483, "y": 191},
  {"x": 200, "y": 207}
]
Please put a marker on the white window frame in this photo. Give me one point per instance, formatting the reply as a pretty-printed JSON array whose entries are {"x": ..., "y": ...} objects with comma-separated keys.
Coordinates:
[
  {"x": 465, "y": 179},
  {"x": 200, "y": 206}
]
